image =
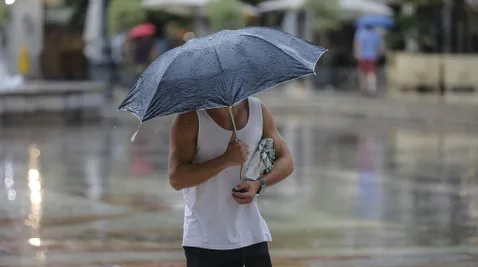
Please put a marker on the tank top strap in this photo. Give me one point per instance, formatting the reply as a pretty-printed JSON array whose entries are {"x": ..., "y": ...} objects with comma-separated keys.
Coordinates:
[
  {"x": 256, "y": 111},
  {"x": 203, "y": 118}
]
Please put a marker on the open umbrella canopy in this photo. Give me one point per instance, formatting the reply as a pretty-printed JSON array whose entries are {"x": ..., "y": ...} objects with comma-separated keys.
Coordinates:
[{"x": 220, "y": 71}]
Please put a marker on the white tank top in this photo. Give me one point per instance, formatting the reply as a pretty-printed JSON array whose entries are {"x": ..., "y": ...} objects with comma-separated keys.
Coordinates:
[{"x": 212, "y": 218}]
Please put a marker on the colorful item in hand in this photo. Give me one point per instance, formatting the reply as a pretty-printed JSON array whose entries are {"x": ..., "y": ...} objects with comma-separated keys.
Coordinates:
[{"x": 262, "y": 161}]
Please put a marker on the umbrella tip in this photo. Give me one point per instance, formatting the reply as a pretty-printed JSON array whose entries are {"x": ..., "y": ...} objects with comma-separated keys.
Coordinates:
[{"x": 133, "y": 138}]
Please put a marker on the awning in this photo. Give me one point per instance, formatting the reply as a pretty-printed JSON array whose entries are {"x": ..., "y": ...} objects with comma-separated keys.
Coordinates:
[
  {"x": 189, "y": 7},
  {"x": 354, "y": 8},
  {"x": 174, "y": 3}
]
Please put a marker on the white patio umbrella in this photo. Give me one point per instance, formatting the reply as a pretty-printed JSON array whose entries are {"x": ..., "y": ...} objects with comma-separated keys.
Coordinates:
[
  {"x": 188, "y": 7},
  {"x": 276, "y": 5},
  {"x": 191, "y": 8},
  {"x": 182, "y": 8},
  {"x": 165, "y": 3},
  {"x": 92, "y": 34},
  {"x": 365, "y": 7},
  {"x": 352, "y": 8}
]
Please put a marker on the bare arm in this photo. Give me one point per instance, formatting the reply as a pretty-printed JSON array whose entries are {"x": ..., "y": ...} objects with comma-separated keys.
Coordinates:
[
  {"x": 283, "y": 166},
  {"x": 183, "y": 173}
]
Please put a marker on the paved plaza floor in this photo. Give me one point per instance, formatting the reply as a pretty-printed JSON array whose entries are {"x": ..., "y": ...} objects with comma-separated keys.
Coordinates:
[{"x": 364, "y": 194}]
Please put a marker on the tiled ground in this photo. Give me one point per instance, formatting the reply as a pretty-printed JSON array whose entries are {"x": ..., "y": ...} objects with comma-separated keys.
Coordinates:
[{"x": 363, "y": 195}]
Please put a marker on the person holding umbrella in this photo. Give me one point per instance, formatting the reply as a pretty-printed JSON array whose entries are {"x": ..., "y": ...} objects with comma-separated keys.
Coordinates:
[
  {"x": 220, "y": 129},
  {"x": 198, "y": 160}
]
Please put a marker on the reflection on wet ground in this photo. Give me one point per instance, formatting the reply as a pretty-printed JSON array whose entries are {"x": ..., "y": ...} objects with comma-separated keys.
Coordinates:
[{"x": 83, "y": 195}]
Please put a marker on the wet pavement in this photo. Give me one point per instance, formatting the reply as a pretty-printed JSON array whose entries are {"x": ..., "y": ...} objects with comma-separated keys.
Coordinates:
[{"x": 364, "y": 194}]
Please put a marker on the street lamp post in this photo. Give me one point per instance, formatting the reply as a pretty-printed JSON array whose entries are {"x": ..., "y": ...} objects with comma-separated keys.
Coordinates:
[
  {"x": 108, "y": 64},
  {"x": 446, "y": 49},
  {"x": 446, "y": 17}
]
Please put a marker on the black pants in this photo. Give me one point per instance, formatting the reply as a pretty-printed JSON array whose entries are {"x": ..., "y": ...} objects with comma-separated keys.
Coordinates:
[{"x": 253, "y": 256}]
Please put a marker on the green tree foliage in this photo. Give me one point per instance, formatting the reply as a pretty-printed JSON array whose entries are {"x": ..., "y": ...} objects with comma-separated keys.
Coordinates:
[
  {"x": 3, "y": 13},
  {"x": 225, "y": 14},
  {"x": 410, "y": 26},
  {"x": 125, "y": 14},
  {"x": 326, "y": 13}
]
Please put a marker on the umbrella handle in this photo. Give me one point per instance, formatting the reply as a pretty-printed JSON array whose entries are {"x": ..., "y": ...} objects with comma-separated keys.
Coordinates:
[
  {"x": 235, "y": 132},
  {"x": 233, "y": 122}
]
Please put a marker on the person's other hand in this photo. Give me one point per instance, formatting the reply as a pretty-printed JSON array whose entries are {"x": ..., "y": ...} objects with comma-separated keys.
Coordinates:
[
  {"x": 237, "y": 152},
  {"x": 245, "y": 192}
]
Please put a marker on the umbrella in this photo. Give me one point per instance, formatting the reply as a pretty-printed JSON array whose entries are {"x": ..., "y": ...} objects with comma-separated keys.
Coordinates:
[
  {"x": 194, "y": 8},
  {"x": 220, "y": 70},
  {"x": 375, "y": 21},
  {"x": 189, "y": 7},
  {"x": 142, "y": 30},
  {"x": 350, "y": 8}
]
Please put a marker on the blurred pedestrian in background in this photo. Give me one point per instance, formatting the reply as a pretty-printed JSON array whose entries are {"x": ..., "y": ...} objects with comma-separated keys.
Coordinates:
[
  {"x": 142, "y": 50},
  {"x": 368, "y": 46},
  {"x": 143, "y": 41}
]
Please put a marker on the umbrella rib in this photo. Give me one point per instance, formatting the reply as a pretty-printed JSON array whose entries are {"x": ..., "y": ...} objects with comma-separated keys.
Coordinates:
[
  {"x": 222, "y": 74},
  {"x": 230, "y": 107}
]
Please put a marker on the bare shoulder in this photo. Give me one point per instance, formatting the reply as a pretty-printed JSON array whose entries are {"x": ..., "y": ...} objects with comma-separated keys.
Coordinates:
[
  {"x": 185, "y": 125},
  {"x": 266, "y": 114},
  {"x": 183, "y": 139},
  {"x": 265, "y": 109},
  {"x": 187, "y": 118},
  {"x": 269, "y": 125}
]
